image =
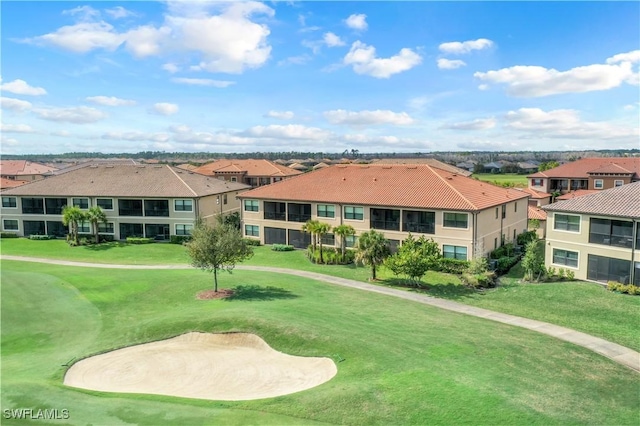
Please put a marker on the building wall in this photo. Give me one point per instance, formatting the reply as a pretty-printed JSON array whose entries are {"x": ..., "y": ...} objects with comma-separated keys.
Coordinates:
[
  {"x": 579, "y": 242},
  {"x": 488, "y": 226},
  {"x": 542, "y": 188},
  {"x": 493, "y": 228},
  {"x": 608, "y": 181},
  {"x": 206, "y": 207}
]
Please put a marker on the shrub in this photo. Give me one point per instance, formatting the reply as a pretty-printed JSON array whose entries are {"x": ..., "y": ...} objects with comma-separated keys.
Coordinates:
[
  {"x": 330, "y": 256},
  {"x": 42, "y": 237},
  {"x": 551, "y": 272},
  {"x": 8, "y": 235},
  {"x": 139, "y": 240},
  {"x": 482, "y": 280},
  {"x": 179, "y": 239},
  {"x": 631, "y": 289},
  {"x": 504, "y": 264},
  {"x": 282, "y": 247},
  {"x": 252, "y": 241},
  {"x": 452, "y": 266},
  {"x": 526, "y": 237},
  {"x": 571, "y": 275},
  {"x": 506, "y": 250}
]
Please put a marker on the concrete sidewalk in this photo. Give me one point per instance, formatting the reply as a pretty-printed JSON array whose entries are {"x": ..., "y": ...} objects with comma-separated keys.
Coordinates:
[{"x": 613, "y": 351}]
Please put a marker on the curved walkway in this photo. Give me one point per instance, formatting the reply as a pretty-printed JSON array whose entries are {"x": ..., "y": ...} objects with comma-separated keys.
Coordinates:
[{"x": 613, "y": 351}]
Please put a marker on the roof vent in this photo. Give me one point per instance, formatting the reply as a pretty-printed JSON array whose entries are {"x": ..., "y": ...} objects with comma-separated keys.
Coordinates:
[
  {"x": 344, "y": 178},
  {"x": 412, "y": 167},
  {"x": 375, "y": 179},
  {"x": 386, "y": 167}
]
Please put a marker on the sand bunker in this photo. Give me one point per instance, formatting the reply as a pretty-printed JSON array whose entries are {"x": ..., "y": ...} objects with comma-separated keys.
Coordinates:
[{"x": 228, "y": 367}]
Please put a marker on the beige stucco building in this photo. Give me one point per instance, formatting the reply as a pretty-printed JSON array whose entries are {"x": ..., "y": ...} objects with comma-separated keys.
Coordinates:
[
  {"x": 463, "y": 215},
  {"x": 597, "y": 236},
  {"x": 154, "y": 201}
]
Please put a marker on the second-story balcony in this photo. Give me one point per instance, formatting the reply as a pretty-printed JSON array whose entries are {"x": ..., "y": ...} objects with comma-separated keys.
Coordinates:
[
  {"x": 385, "y": 219},
  {"x": 275, "y": 210},
  {"x": 298, "y": 212}
]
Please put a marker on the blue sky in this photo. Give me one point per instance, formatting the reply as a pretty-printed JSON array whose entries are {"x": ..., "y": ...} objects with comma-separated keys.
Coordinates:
[{"x": 319, "y": 76}]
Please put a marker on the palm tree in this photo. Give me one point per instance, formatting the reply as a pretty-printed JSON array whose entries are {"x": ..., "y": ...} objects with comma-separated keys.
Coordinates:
[
  {"x": 71, "y": 216},
  {"x": 344, "y": 231},
  {"x": 95, "y": 215},
  {"x": 310, "y": 226},
  {"x": 372, "y": 250},
  {"x": 321, "y": 230}
]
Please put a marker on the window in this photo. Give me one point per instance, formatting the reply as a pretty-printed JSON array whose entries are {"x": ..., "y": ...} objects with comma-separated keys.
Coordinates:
[
  {"x": 105, "y": 203},
  {"x": 514, "y": 234},
  {"x": 328, "y": 240},
  {"x": 455, "y": 220},
  {"x": 605, "y": 269},
  {"x": 183, "y": 205},
  {"x": 183, "y": 229},
  {"x": 515, "y": 207},
  {"x": 419, "y": 221},
  {"x": 496, "y": 212},
  {"x": 156, "y": 208},
  {"x": 33, "y": 206},
  {"x": 9, "y": 202},
  {"x": 565, "y": 257},
  {"x": 106, "y": 228},
  {"x": 350, "y": 241},
  {"x": 252, "y": 230},
  {"x": 617, "y": 183},
  {"x": 234, "y": 179},
  {"x": 504, "y": 211},
  {"x": 495, "y": 243},
  {"x": 277, "y": 179},
  {"x": 10, "y": 225},
  {"x": 354, "y": 213},
  {"x": 598, "y": 184},
  {"x": 566, "y": 222},
  {"x": 298, "y": 212},
  {"x": 251, "y": 205},
  {"x": 608, "y": 232},
  {"x": 54, "y": 205},
  {"x": 130, "y": 208},
  {"x": 276, "y": 211},
  {"x": 536, "y": 182},
  {"x": 224, "y": 199},
  {"x": 84, "y": 227},
  {"x": 326, "y": 210},
  {"x": 454, "y": 252},
  {"x": 82, "y": 203}
]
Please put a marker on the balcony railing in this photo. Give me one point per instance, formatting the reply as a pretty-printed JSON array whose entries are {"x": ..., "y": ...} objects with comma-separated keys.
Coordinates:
[
  {"x": 156, "y": 212},
  {"x": 33, "y": 210},
  {"x": 419, "y": 227},
  {"x": 130, "y": 212},
  {"x": 389, "y": 225},
  {"x": 275, "y": 216},
  {"x": 294, "y": 217}
]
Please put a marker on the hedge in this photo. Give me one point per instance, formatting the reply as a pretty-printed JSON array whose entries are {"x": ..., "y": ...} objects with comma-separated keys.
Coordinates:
[
  {"x": 251, "y": 241},
  {"x": 139, "y": 240},
  {"x": 8, "y": 235},
  {"x": 179, "y": 239},
  {"x": 282, "y": 247},
  {"x": 42, "y": 237}
]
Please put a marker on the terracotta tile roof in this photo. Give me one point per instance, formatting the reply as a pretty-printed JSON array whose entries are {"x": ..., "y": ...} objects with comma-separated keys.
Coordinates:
[
  {"x": 23, "y": 167},
  {"x": 127, "y": 181},
  {"x": 10, "y": 183},
  {"x": 428, "y": 161},
  {"x": 537, "y": 195},
  {"x": 623, "y": 201},
  {"x": 537, "y": 213},
  {"x": 251, "y": 167},
  {"x": 582, "y": 168},
  {"x": 416, "y": 185},
  {"x": 577, "y": 193}
]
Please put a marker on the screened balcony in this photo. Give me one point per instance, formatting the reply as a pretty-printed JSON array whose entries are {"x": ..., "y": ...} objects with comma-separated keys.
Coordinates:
[
  {"x": 419, "y": 222},
  {"x": 386, "y": 219},
  {"x": 275, "y": 211}
]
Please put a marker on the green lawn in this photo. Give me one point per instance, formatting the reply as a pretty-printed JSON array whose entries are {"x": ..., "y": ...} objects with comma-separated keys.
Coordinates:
[
  {"x": 586, "y": 307},
  {"x": 519, "y": 181},
  {"x": 404, "y": 363}
]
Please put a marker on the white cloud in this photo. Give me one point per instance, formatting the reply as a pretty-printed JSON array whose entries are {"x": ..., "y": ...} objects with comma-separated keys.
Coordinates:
[
  {"x": 332, "y": 40},
  {"x": 110, "y": 101},
  {"x": 459, "y": 48},
  {"x": 633, "y": 57},
  {"x": 228, "y": 42},
  {"x": 146, "y": 40},
  {"x": 164, "y": 108},
  {"x": 295, "y": 60},
  {"x": 82, "y": 12},
  {"x": 82, "y": 37},
  {"x": 119, "y": 12},
  {"x": 357, "y": 22},
  {"x": 289, "y": 131},
  {"x": 20, "y": 87},
  {"x": 16, "y": 128},
  {"x": 61, "y": 133},
  {"x": 170, "y": 67},
  {"x": 280, "y": 115},
  {"x": 364, "y": 61},
  {"x": 565, "y": 123},
  {"x": 449, "y": 64},
  {"x": 136, "y": 136},
  {"x": 203, "y": 82},
  {"x": 14, "y": 104},
  {"x": 478, "y": 124},
  {"x": 8, "y": 141},
  {"x": 535, "y": 81},
  {"x": 364, "y": 118},
  {"x": 77, "y": 115}
]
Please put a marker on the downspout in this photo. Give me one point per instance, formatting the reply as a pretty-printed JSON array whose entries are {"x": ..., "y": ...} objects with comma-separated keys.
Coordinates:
[
  {"x": 502, "y": 213},
  {"x": 474, "y": 243},
  {"x": 633, "y": 247}
]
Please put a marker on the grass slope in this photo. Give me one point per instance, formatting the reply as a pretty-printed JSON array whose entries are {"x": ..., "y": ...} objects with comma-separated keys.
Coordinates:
[
  {"x": 405, "y": 363},
  {"x": 518, "y": 181}
]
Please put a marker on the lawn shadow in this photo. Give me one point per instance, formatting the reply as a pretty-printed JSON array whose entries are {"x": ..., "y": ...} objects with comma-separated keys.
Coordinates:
[
  {"x": 259, "y": 293},
  {"x": 105, "y": 246},
  {"x": 450, "y": 290}
]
